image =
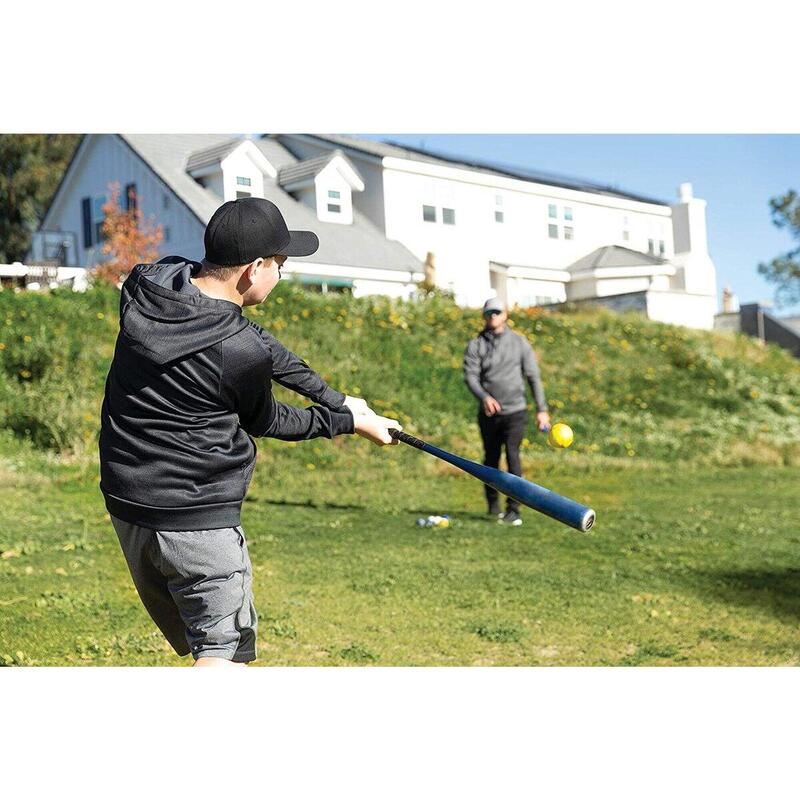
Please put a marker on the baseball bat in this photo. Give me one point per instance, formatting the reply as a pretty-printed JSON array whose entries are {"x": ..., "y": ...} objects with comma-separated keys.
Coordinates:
[{"x": 530, "y": 494}]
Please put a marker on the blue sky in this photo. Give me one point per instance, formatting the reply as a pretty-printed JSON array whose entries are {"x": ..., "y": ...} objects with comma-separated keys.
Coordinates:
[{"x": 736, "y": 175}]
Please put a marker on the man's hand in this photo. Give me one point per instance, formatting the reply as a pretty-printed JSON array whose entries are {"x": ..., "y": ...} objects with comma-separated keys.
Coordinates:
[
  {"x": 543, "y": 421},
  {"x": 376, "y": 428},
  {"x": 357, "y": 405},
  {"x": 490, "y": 406}
]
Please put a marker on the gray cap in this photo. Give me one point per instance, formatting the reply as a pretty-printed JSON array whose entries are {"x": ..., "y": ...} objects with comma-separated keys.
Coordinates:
[{"x": 494, "y": 304}]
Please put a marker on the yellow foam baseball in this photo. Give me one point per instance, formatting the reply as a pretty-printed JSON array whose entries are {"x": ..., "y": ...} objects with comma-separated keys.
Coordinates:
[{"x": 560, "y": 435}]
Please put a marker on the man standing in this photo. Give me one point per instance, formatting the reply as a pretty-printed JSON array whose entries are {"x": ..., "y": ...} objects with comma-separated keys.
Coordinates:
[{"x": 496, "y": 364}]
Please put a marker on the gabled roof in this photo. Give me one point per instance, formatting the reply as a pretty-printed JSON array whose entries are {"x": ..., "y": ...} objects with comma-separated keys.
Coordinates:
[
  {"x": 167, "y": 154},
  {"x": 311, "y": 167},
  {"x": 388, "y": 149},
  {"x": 274, "y": 152},
  {"x": 361, "y": 244},
  {"x": 614, "y": 256},
  {"x": 211, "y": 155}
]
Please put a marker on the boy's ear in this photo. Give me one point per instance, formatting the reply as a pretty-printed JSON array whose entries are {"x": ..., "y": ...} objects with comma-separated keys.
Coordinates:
[{"x": 258, "y": 263}]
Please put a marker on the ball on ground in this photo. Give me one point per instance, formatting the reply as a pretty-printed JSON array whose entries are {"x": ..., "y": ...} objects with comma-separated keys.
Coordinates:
[{"x": 560, "y": 435}]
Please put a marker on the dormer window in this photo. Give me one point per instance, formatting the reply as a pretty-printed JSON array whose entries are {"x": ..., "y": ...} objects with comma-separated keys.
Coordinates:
[
  {"x": 231, "y": 170},
  {"x": 326, "y": 184}
]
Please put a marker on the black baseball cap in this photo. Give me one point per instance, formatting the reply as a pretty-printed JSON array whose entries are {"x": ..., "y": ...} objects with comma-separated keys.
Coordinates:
[{"x": 249, "y": 228}]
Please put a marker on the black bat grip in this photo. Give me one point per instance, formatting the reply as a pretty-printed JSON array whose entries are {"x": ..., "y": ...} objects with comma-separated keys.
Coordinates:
[{"x": 406, "y": 438}]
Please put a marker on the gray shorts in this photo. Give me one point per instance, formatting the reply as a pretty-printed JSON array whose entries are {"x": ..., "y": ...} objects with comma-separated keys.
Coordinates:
[{"x": 197, "y": 586}]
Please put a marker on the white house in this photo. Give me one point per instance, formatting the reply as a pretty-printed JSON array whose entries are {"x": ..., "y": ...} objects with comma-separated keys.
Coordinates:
[
  {"x": 382, "y": 210},
  {"x": 531, "y": 238},
  {"x": 181, "y": 179}
]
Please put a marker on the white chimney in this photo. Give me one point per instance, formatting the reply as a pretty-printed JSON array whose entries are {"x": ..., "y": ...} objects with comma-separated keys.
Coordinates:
[
  {"x": 696, "y": 272},
  {"x": 689, "y": 222}
]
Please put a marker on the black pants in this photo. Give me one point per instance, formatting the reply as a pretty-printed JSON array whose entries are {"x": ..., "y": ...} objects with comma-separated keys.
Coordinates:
[{"x": 497, "y": 431}]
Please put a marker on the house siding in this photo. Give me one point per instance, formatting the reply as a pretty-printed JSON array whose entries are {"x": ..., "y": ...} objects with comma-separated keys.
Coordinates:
[{"x": 106, "y": 159}]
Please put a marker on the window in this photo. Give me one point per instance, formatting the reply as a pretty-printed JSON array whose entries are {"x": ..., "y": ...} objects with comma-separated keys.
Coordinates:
[
  {"x": 449, "y": 216},
  {"x": 499, "y": 216},
  {"x": 650, "y": 248},
  {"x": 568, "y": 213},
  {"x": 130, "y": 197},
  {"x": 552, "y": 231},
  {"x": 334, "y": 208},
  {"x": 334, "y": 194},
  {"x": 167, "y": 234},
  {"x": 97, "y": 219},
  {"x": 429, "y": 213},
  {"x": 86, "y": 218},
  {"x": 625, "y": 236},
  {"x": 567, "y": 232},
  {"x": 240, "y": 195},
  {"x": 552, "y": 211},
  {"x": 165, "y": 201},
  {"x": 661, "y": 248},
  {"x": 240, "y": 181}
]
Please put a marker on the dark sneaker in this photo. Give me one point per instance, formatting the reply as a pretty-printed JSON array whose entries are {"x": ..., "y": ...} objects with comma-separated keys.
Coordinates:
[
  {"x": 511, "y": 518},
  {"x": 495, "y": 511}
]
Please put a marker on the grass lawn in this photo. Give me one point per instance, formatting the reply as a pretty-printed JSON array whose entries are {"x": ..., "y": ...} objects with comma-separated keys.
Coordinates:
[{"x": 686, "y": 565}]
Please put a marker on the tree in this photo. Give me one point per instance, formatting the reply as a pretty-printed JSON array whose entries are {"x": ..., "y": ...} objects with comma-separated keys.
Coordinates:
[
  {"x": 31, "y": 166},
  {"x": 127, "y": 239},
  {"x": 784, "y": 271}
]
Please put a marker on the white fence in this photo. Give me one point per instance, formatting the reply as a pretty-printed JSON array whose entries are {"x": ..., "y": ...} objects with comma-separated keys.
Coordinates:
[{"x": 41, "y": 276}]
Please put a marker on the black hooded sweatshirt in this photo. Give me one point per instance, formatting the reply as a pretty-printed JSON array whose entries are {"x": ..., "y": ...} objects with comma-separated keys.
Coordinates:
[{"x": 188, "y": 389}]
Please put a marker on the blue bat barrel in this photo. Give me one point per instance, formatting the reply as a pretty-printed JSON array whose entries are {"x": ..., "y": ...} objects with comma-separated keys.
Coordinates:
[{"x": 530, "y": 494}]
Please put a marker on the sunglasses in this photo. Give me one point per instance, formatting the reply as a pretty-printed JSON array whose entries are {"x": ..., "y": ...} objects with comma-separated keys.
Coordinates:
[{"x": 491, "y": 313}]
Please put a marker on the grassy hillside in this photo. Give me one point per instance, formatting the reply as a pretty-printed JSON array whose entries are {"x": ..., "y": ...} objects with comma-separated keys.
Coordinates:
[{"x": 630, "y": 388}]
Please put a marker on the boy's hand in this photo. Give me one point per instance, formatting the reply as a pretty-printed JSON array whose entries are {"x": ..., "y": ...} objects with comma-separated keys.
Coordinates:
[
  {"x": 357, "y": 405},
  {"x": 376, "y": 428}
]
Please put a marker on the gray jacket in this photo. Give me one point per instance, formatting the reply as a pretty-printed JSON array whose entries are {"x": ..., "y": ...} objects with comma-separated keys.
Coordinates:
[{"x": 497, "y": 365}]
